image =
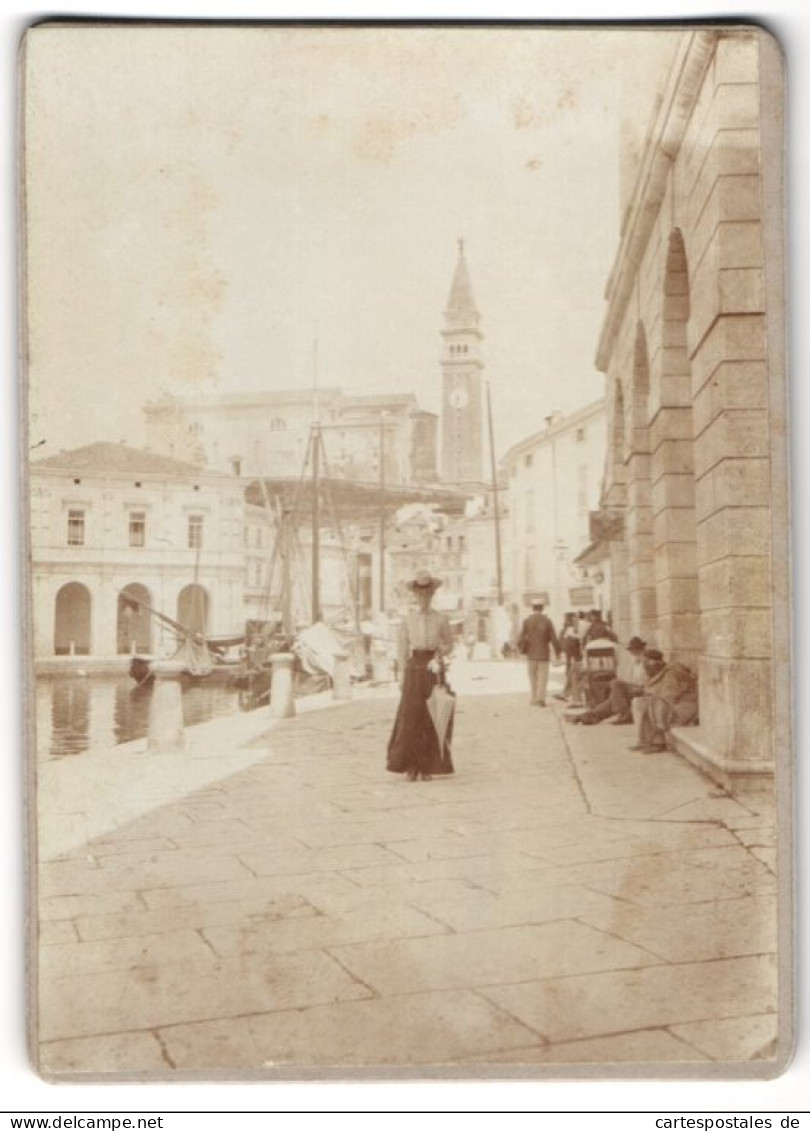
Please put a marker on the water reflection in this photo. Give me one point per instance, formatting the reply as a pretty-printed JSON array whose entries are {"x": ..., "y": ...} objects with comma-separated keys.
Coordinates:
[{"x": 76, "y": 714}]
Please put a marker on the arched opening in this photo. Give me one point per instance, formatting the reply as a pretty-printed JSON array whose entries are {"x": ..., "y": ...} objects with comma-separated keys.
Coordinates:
[
  {"x": 672, "y": 470},
  {"x": 134, "y": 621},
  {"x": 72, "y": 620},
  {"x": 192, "y": 608}
]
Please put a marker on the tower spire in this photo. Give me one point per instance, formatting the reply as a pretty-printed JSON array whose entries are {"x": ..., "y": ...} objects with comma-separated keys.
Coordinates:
[
  {"x": 461, "y": 362},
  {"x": 461, "y": 312}
]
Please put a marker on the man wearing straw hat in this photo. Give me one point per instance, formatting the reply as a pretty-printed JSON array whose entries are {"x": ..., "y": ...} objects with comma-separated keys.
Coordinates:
[{"x": 536, "y": 639}]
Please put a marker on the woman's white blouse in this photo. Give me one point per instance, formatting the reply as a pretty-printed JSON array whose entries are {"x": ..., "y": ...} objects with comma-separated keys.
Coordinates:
[{"x": 421, "y": 631}]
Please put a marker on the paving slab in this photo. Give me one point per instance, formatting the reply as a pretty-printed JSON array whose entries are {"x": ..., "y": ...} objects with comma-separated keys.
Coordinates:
[
  {"x": 164, "y": 994},
  {"x": 285, "y": 888},
  {"x": 417, "y": 1029},
  {"x": 479, "y": 909},
  {"x": 487, "y": 957},
  {"x": 733, "y": 1039},
  {"x": 616, "y": 1001},
  {"x": 253, "y": 940},
  {"x": 720, "y": 929},
  {"x": 644, "y": 1047},
  {"x": 113, "y": 1053},
  {"x": 69, "y": 959},
  {"x": 194, "y": 915}
]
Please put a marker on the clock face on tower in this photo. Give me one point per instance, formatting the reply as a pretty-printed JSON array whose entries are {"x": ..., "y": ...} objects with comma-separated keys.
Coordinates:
[{"x": 457, "y": 398}]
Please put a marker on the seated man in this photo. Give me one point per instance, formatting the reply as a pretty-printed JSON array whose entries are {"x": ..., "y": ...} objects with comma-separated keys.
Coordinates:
[
  {"x": 669, "y": 699},
  {"x": 597, "y": 629},
  {"x": 623, "y": 690}
]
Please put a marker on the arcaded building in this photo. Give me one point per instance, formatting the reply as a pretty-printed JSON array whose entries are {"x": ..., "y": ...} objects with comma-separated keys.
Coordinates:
[{"x": 692, "y": 350}]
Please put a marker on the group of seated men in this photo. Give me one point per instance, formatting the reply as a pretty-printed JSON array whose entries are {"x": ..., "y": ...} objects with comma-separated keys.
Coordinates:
[{"x": 653, "y": 694}]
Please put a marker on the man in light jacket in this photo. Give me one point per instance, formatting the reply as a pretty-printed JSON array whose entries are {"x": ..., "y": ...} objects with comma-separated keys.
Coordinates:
[{"x": 537, "y": 638}]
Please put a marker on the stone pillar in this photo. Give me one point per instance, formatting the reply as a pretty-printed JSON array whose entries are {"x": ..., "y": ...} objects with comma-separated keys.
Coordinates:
[
  {"x": 619, "y": 595},
  {"x": 731, "y": 355},
  {"x": 674, "y": 536},
  {"x": 43, "y": 608},
  {"x": 734, "y": 542},
  {"x": 165, "y": 730},
  {"x": 341, "y": 680},
  {"x": 282, "y": 701},
  {"x": 639, "y": 538}
]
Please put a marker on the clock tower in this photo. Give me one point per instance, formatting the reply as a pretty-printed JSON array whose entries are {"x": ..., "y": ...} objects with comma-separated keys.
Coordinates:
[{"x": 462, "y": 395}]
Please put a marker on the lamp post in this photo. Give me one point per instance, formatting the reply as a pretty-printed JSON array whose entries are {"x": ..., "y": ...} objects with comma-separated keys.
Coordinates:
[{"x": 560, "y": 553}]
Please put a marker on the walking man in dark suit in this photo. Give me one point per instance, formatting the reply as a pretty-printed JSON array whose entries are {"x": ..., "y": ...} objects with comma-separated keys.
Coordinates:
[{"x": 536, "y": 639}]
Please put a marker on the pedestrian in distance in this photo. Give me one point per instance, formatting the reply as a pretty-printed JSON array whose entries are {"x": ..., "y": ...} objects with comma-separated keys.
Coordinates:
[
  {"x": 425, "y": 642},
  {"x": 571, "y": 649},
  {"x": 537, "y": 638}
]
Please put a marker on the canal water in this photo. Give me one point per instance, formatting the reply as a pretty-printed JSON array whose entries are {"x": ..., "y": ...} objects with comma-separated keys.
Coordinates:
[{"x": 74, "y": 714}]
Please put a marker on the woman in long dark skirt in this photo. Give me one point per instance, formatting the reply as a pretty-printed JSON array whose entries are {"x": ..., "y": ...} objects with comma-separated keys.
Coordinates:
[{"x": 425, "y": 639}]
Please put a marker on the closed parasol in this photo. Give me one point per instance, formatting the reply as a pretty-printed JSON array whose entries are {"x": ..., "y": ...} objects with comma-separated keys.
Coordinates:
[{"x": 441, "y": 704}]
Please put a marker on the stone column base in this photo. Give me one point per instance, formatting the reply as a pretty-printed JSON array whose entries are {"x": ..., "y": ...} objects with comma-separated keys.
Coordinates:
[{"x": 737, "y": 777}]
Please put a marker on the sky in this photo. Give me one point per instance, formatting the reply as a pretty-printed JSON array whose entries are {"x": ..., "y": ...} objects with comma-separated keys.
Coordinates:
[{"x": 204, "y": 204}]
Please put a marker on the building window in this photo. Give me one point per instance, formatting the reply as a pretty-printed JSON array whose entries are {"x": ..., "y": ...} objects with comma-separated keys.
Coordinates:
[
  {"x": 259, "y": 537},
  {"x": 529, "y": 460},
  {"x": 137, "y": 528},
  {"x": 195, "y": 531},
  {"x": 75, "y": 530},
  {"x": 277, "y": 424},
  {"x": 580, "y": 435}
]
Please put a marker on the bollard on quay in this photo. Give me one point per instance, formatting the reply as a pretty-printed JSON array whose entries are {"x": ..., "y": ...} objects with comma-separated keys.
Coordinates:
[
  {"x": 282, "y": 703},
  {"x": 341, "y": 680}
]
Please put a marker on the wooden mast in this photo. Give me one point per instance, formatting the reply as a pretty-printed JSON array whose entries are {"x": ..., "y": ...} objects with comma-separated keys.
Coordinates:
[
  {"x": 495, "y": 506},
  {"x": 316, "y": 516}
]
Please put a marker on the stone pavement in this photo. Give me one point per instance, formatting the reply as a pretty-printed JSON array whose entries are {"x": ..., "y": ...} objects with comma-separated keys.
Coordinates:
[{"x": 559, "y": 902}]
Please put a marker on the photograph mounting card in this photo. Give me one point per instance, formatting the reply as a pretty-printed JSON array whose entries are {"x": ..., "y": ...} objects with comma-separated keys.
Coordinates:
[{"x": 407, "y": 576}]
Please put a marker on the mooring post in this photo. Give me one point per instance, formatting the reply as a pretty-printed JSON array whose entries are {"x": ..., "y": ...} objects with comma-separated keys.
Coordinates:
[
  {"x": 282, "y": 702},
  {"x": 341, "y": 680}
]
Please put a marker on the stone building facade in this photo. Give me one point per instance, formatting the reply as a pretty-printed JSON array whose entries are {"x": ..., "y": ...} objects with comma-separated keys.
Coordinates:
[
  {"x": 691, "y": 351},
  {"x": 554, "y": 478},
  {"x": 113, "y": 529},
  {"x": 268, "y": 434}
]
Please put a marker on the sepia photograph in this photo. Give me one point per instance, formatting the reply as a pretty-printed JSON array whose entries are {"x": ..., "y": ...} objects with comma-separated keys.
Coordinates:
[{"x": 407, "y": 586}]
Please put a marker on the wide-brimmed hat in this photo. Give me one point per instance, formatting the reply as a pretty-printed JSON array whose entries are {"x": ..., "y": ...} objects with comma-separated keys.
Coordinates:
[
  {"x": 538, "y": 603},
  {"x": 636, "y": 644},
  {"x": 423, "y": 581}
]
